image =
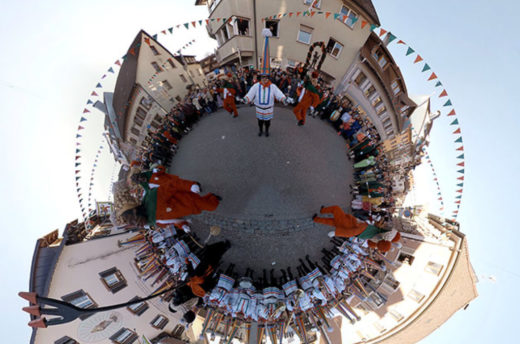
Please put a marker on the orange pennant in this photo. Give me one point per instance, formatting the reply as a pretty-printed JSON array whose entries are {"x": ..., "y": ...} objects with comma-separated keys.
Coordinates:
[
  {"x": 443, "y": 94},
  {"x": 290, "y": 14},
  {"x": 193, "y": 23},
  {"x": 461, "y": 164},
  {"x": 457, "y": 131},
  {"x": 163, "y": 32},
  {"x": 327, "y": 15},
  {"x": 433, "y": 76},
  {"x": 345, "y": 18},
  {"x": 147, "y": 40},
  {"x": 363, "y": 24},
  {"x": 131, "y": 51},
  {"x": 207, "y": 21},
  {"x": 298, "y": 13},
  {"x": 461, "y": 148},
  {"x": 452, "y": 113},
  {"x": 218, "y": 19},
  {"x": 461, "y": 178},
  {"x": 418, "y": 59},
  {"x": 383, "y": 31},
  {"x": 280, "y": 15},
  {"x": 401, "y": 42}
]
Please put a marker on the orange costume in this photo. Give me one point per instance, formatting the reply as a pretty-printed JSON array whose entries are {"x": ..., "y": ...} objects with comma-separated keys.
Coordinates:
[
  {"x": 229, "y": 93},
  {"x": 310, "y": 98},
  {"x": 346, "y": 225}
]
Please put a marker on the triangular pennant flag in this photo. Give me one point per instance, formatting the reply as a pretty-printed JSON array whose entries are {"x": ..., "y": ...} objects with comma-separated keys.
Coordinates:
[
  {"x": 86, "y": 110},
  {"x": 147, "y": 40},
  {"x": 104, "y": 76},
  {"x": 448, "y": 103},
  {"x": 89, "y": 102},
  {"x": 439, "y": 199},
  {"x": 290, "y": 14},
  {"x": 94, "y": 94},
  {"x": 78, "y": 177},
  {"x": 111, "y": 70},
  {"x": 443, "y": 94},
  {"x": 382, "y": 32},
  {"x": 154, "y": 37},
  {"x": 80, "y": 127},
  {"x": 461, "y": 164},
  {"x": 78, "y": 136},
  {"x": 457, "y": 202},
  {"x": 138, "y": 45},
  {"x": 461, "y": 148},
  {"x": 77, "y": 157},
  {"x": 336, "y": 15},
  {"x": 194, "y": 23},
  {"x": 77, "y": 171},
  {"x": 83, "y": 119},
  {"x": 117, "y": 63},
  {"x": 200, "y": 22},
  {"x": 460, "y": 156},
  {"x": 124, "y": 57},
  {"x": 409, "y": 51},
  {"x": 163, "y": 32},
  {"x": 433, "y": 76},
  {"x": 131, "y": 51},
  {"x": 460, "y": 185},
  {"x": 77, "y": 164},
  {"x": 373, "y": 27},
  {"x": 354, "y": 20},
  {"x": 344, "y": 19},
  {"x": 401, "y": 42},
  {"x": 327, "y": 15},
  {"x": 187, "y": 25},
  {"x": 418, "y": 59},
  {"x": 313, "y": 13},
  {"x": 363, "y": 24},
  {"x": 298, "y": 13},
  {"x": 460, "y": 178},
  {"x": 459, "y": 191},
  {"x": 461, "y": 171},
  {"x": 426, "y": 67},
  {"x": 170, "y": 29},
  {"x": 459, "y": 140},
  {"x": 452, "y": 112},
  {"x": 390, "y": 37},
  {"x": 457, "y": 131}
]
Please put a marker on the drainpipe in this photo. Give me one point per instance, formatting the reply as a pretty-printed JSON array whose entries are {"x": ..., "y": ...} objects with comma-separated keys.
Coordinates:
[{"x": 256, "y": 34}]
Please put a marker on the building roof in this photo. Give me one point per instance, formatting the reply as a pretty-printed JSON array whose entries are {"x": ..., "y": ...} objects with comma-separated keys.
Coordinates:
[
  {"x": 126, "y": 82},
  {"x": 456, "y": 293},
  {"x": 368, "y": 7}
]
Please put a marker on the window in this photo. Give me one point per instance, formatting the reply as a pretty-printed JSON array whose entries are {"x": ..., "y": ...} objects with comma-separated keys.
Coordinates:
[
  {"x": 146, "y": 103},
  {"x": 80, "y": 299},
  {"x": 360, "y": 79},
  {"x": 124, "y": 336},
  {"x": 133, "y": 141},
  {"x": 433, "y": 268},
  {"x": 138, "y": 121},
  {"x": 138, "y": 308},
  {"x": 156, "y": 67},
  {"x": 395, "y": 87},
  {"x": 66, "y": 340},
  {"x": 224, "y": 33},
  {"x": 273, "y": 26},
  {"x": 242, "y": 26},
  {"x": 396, "y": 315},
  {"x": 170, "y": 61},
  {"x": 159, "y": 322},
  {"x": 415, "y": 295},
  {"x": 369, "y": 92},
  {"x": 154, "y": 51},
  {"x": 316, "y": 5},
  {"x": 380, "y": 328},
  {"x": 141, "y": 112},
  {"x": 380, "y": 110},
  {"x": 305, "y": 34},
  {"x": 112, "y": 278},
  {"x": 405, "y": 258},
  {"x": 387, "y": 123},
  {"x": 379, "y": 57},
  {"x": 350, "y": 16},
  {"x": 376, "y": 101},
  {"x": 334, "y": 47},
  {"x": 183, "y": 78},
  {"x": 166, "y": 85}
]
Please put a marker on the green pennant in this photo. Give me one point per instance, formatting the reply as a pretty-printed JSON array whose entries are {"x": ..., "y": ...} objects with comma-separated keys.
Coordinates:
[
  {"x": 200, "y": 22},
  {"x": 459, "y": 140},
  {"x": 320, "y": 12},
  {"x": 336, "y": 15},
  {"x": 455, "y": 122},
  {"x": 170, "y": 29},
  {"x": 373, "y": 27},
  {"x": 354, "y": 20},
  {"x": 461, "y": 171},
  {"x": 154, "y": 37},
  {"x": 460, "y": 185},
  {"x": 426, "y": 67},
  {"x": 448, "y": 103},
  {"x": 390, "y": 37},
  {"x": 284, "y": 15},
  {"x": 459, "y": 197},
  {"x": 409, "y": 51},
  {"x": 187, "y": 25},
  {"x": 438, "y": 84},
  {"x": 460, "y": 156},
  {"x": 124, "y": 57},
  {"x": 213, "y": 19}
]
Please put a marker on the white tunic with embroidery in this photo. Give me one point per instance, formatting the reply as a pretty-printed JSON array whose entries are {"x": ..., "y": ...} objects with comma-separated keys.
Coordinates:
[{"x": 263, "y": 98}]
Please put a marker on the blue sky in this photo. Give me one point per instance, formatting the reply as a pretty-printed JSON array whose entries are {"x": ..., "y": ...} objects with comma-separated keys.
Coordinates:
[{"x": 56, "y": 51}]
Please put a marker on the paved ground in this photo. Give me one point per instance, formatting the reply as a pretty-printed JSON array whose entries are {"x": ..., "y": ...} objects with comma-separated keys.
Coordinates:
[{"x": 270, "y": 186}]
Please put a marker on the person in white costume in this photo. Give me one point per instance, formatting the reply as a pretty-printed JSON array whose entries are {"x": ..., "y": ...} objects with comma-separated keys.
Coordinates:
[{"x": 264, "y": 93}]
